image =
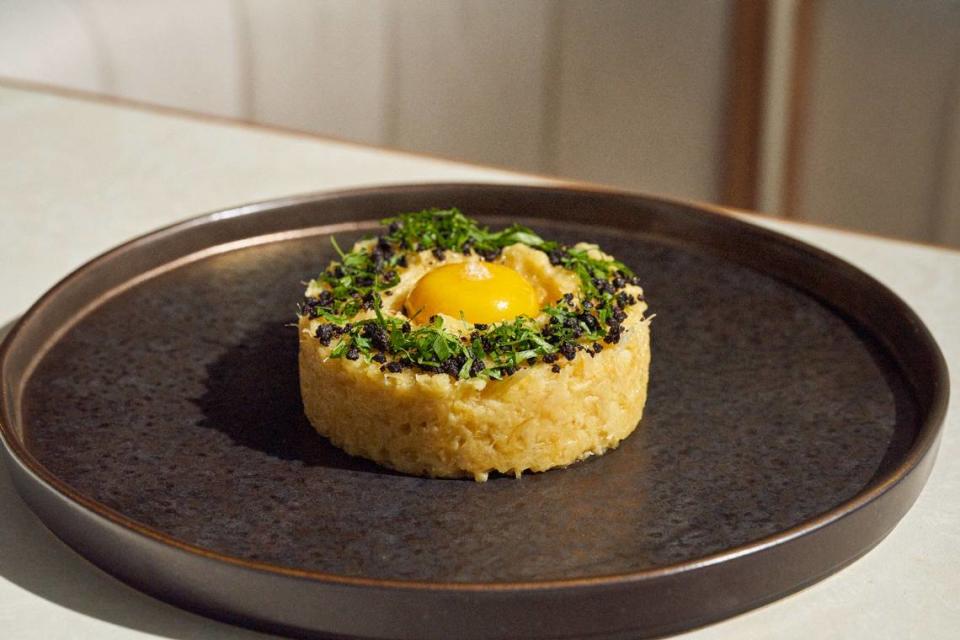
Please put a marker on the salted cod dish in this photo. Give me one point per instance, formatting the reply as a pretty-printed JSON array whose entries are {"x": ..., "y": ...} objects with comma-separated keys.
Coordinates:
[{"x": 441, "y": 348}]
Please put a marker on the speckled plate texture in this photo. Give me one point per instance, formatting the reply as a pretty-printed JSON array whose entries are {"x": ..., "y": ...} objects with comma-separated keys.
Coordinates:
[{"x": 152, "y": 418}]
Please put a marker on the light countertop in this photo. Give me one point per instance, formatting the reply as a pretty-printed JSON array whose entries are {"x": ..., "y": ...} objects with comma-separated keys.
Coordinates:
[{"x": 80, "y": 176}]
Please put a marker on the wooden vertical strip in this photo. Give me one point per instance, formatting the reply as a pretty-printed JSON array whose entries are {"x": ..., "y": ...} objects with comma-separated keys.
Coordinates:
[
  {"x": 945, "y": 198},
  {"x": 777, "y": 76},
  {"x": 798, "y": 113},
  {"x": 745, "y": 91}
]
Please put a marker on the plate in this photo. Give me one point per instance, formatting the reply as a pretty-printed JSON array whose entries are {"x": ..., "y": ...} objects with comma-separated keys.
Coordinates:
[{"x": 151, "y": 417}]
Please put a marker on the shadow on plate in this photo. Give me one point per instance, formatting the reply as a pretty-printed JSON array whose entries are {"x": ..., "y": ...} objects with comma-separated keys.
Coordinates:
[{"x": 253, "y": 396}]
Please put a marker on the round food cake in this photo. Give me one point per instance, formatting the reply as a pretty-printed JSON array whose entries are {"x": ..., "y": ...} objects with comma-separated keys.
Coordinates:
[{"x": 441, "y": 348}]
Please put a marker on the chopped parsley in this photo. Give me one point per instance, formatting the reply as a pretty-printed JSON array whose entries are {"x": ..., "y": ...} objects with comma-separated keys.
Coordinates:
[{"x": 357, "y": 281}]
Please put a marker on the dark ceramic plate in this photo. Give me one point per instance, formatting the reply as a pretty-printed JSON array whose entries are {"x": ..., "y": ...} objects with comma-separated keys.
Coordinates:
[{"x": 152, "y": 419}]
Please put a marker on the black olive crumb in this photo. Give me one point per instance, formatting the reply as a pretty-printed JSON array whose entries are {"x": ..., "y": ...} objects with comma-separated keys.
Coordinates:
[
  {"x": 325, "y": 299},
  {"x": 556, "y": 256},
  {"x": 325, "y": 333},
  {"x": 377, "y": 336},
  {"x": 449, "y": 366},
  {"x": 568, "y": 350},
  {"x": 624, "y": 299},
  {"x": 593, "y": 325},
  {"x": 308, "y": 307},
  {"x": 490, "y": 254}
]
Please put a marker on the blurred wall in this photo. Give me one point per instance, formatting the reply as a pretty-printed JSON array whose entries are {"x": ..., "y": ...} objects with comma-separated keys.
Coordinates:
[
  {"x": 627, "y": 93},
  {"x": 634, "y": 94}
]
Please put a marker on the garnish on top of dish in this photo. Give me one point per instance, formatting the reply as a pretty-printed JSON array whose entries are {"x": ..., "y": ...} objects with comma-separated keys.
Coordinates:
[
  {"x": 411, "y": 294},
  {"x": 443, "y": 348}
]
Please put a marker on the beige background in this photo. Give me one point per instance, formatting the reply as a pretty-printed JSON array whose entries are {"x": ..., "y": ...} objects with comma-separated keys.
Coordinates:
[{"x": 626, "y": 93}]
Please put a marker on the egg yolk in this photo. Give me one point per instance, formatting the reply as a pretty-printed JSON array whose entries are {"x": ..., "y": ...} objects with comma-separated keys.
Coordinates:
[{"x": 483, "y": 292}]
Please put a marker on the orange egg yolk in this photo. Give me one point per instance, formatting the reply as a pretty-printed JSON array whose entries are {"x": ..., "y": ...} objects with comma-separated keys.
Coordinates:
[{"x": 483, "y": 292}]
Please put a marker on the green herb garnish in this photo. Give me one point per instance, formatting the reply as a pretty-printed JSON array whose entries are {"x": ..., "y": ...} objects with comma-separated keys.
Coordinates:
[{"x": 355, "y": 282}]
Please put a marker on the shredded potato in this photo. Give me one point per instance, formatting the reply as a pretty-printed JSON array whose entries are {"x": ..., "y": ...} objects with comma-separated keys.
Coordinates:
[{"x": 434, "y": 425}]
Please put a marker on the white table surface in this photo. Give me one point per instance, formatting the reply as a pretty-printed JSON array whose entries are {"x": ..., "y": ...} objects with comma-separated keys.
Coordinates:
[{"x": 79, "y": 176}]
